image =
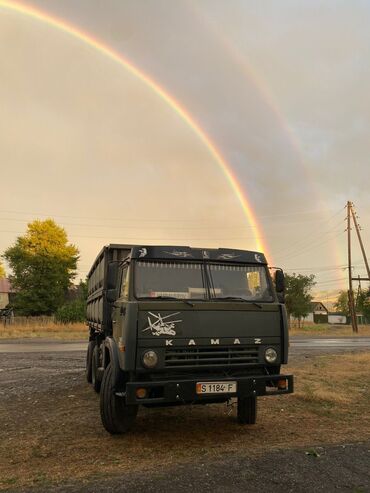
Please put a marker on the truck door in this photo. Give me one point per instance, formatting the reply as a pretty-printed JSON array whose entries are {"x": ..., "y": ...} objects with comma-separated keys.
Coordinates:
[{"x": 119, "y": 310}]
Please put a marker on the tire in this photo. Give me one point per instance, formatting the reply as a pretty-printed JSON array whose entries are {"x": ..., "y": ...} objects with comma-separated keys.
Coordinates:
[
  {"x": 89, "y": 354},
  {"x": 96, "y": 383},
  {"x": 247, "y": 410},
  {"x": 116, "y": 416}
]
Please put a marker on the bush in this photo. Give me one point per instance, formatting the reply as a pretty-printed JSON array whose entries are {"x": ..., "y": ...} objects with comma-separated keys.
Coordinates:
[{"x": 75, "y": 311}]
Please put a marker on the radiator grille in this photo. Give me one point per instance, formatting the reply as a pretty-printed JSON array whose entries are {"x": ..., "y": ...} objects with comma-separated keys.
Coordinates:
[{"x": 211, "y": 356}]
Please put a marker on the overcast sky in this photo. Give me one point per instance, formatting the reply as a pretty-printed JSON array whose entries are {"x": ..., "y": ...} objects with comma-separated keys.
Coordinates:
[{"x": 281, "y": 88}]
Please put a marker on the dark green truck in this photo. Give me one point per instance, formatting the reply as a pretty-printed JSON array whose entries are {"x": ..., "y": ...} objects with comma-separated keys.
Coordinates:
[{"x": 176, "y": 325}]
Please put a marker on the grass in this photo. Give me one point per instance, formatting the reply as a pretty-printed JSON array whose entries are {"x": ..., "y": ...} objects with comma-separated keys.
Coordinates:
[
  {"x": 49, "y": 330},
  {"x": 329, "y": 330},
  {"x": 62, "y": 437},
  {"x": 78, "y": 331}
]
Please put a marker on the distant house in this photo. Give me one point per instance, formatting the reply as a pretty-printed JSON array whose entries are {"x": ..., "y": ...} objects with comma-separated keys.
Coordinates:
[
  {"x": 5, "y": 291},
  {"x": 338, "y": 318},
  {"x": 318, "y": 313}
]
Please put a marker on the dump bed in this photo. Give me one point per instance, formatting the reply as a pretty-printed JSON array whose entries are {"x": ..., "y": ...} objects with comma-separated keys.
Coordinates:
[{"x": 98, "y": 313}]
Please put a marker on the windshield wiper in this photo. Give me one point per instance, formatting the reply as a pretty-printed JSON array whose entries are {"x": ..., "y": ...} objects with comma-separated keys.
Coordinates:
[
  {"x": 171, "y": 298},
  {"x": 238, "y": 298}
]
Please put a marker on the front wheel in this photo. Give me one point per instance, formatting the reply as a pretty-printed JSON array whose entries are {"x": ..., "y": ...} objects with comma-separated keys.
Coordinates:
[
  {"x": 247, "y": 410},
  {"x": 116, "y": 415}
]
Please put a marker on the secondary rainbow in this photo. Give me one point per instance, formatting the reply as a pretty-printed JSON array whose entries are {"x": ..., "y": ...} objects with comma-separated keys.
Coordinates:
[
  {"x": 260, "y": 86},
  {"x": 162, "y": 93}
]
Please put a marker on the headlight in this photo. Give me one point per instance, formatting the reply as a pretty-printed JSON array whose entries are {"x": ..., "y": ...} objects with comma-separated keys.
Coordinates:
[
  {"x": 150, "y": 359},
  {"x": 270, "y": 355}
]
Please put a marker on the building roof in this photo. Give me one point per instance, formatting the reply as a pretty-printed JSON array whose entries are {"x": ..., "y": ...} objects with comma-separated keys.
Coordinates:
[
  {"x": 5, "y": 286},
  {"x": 315, "y": 303}
]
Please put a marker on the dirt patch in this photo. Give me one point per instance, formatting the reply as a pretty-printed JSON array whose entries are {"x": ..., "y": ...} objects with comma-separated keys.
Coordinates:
[
  {"x": 52, "y": 432},
  {"x": 324, "y": 469}
]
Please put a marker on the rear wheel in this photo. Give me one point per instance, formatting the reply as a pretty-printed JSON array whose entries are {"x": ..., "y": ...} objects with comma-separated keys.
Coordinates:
[
  {"x": 89, "y": 355},
  {"x": 116, "y": 416},
  {"x": 96, "y": 382},
  {"x": 247, "y": 410}
]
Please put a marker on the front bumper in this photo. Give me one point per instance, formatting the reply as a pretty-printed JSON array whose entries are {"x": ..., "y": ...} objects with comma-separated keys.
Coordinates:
[{"x": 184, "y": 391}]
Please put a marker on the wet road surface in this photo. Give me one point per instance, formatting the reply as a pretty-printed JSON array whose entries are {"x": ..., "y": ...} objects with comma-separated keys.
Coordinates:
[{"x": 297, "y": 345}]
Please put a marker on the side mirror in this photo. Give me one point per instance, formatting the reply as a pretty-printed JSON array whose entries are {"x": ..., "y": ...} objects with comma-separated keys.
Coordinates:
[{"x": 280, "y": 282}]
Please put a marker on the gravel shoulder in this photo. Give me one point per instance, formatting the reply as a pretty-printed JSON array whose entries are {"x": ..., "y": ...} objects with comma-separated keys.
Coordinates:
[
  {"x": 325, "y": 468},
  {"x": 52, "y": 437}
]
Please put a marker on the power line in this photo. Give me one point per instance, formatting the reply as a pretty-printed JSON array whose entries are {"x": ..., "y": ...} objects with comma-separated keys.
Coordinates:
[
  {"x": 329, "y": 281},
  {"x": 324, "y": 268},
  {"x": 284, "y": 214},
  {"x": 303, "y": 241},
  {"x": 221, "y": 227},
  {"x": 146, "y": 238},
  {"x": 313, "y": 245}
]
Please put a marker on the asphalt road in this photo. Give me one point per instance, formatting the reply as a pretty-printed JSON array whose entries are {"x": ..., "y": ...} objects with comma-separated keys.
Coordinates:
[{"x": 297, "y": 345}]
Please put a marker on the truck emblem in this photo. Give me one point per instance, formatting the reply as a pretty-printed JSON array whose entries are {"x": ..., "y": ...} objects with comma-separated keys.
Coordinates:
[
  {"x": 177, "y": 253},
  {"x": 143, "y": 252},
  {"x": 159, "y": 327},
  {"x": 258, "y": 341},
  {"x": 228, "y": 256},
  {"x": 205, "y": 254},
  {"x": 258, "y": 258}
]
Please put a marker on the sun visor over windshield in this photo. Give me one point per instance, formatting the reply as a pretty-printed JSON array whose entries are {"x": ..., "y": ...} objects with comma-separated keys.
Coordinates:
[{"x": 187, "y": 253}]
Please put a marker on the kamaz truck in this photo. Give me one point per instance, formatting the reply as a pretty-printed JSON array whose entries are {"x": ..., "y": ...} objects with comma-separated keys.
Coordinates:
[{"x": 173, "y": 325}]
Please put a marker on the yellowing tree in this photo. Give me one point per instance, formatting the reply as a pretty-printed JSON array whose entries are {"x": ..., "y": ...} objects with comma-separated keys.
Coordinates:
[
  {"x": 2, "y": 271},
  {"x": 43, "y": 265}
]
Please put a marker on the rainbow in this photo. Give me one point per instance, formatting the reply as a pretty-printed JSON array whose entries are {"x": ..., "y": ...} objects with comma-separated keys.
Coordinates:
[
  {"x": 263, "y": 90},
  {"x": 162, "y": 93}
]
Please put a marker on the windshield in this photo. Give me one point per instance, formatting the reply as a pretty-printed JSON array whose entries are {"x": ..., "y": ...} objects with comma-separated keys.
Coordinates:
[
  {"x": 240, "y": 281},
  {"x": 186, "y": 280},
  {"x": 182, "y": 280}
]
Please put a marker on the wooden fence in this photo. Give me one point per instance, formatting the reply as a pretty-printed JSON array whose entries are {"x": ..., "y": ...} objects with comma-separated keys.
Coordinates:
[{"x": 40, "y": 322}]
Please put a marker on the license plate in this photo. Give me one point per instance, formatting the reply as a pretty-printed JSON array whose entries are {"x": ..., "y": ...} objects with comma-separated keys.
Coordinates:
[{"x": 216, "y": 387}]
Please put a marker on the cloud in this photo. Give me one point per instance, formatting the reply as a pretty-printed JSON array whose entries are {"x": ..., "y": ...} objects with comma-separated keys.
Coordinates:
[{"x": 281, "y": 88}]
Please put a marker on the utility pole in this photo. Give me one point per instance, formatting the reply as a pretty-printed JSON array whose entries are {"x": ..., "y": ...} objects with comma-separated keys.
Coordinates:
[
  {"x": 351, "y": 304},
  {"x": 360, "y": 241}
]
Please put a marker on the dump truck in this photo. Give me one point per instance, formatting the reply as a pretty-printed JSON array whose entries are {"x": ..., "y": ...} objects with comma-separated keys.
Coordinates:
[{"x": 173, "y": 325}]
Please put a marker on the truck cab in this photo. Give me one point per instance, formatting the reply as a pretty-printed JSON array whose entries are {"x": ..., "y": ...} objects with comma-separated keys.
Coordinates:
[{"x": 176, "y": 325}]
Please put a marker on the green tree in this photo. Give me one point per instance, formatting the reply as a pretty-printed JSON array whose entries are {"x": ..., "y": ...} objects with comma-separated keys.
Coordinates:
[
  {"x": 44, "y": 265},
  {"x": 341, "y": 305},
  {"x": 75, "y": 310},
  {"x": 2, "y": 271},
  {"x": 298, "y": 295},
  {"x": 366, "y": 307},
  {"x": 363, "y": 302}
]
